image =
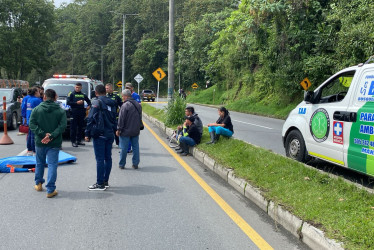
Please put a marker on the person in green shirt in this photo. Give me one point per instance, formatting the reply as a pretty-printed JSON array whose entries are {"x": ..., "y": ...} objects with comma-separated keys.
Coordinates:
[{"x": 47, "y": 122}]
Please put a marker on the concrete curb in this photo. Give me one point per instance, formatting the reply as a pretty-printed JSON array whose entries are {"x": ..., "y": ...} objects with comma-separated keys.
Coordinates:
[{"x": 310, "y": 235}]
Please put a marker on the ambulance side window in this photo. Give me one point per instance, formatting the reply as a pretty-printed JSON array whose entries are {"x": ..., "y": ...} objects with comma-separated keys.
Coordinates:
[{"x": 336, "y": 89}]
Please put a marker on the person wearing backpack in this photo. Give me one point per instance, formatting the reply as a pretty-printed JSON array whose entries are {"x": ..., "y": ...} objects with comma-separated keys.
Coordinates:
[{"x": 101, "y": 124}]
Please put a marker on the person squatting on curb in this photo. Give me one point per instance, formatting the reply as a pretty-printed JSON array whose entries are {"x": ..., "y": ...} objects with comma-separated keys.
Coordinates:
[
  {"x": 190, "y": 111},
  {"x": 78, "y": 112},
  {"x": 128, "y": 128},
  {"x": 223, "y": 126},
  {"x": 47, "y": 122},
  {"x": 191, "y": 136},
  {"x": 103, "y": 136}
]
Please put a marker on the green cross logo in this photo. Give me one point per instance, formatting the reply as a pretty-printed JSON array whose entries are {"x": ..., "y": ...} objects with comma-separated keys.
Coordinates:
[{"x": 320, "y": 125}]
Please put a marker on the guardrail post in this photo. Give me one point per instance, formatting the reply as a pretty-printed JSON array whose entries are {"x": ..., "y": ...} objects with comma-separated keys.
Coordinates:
[{"x": 5, "y": 139}]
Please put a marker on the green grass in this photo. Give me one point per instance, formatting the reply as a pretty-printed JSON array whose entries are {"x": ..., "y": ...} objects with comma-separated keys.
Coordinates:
[
  {"x": 246, "y": 104},
  {"x": 343, "y": 211},
  {"x": 159, "y": 114}
]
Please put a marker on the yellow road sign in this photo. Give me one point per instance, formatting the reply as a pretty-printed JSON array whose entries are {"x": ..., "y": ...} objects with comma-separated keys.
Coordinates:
[
  {"x": 306, "y": 83},
  {"x": 195, "y": 86},
  {"x": 119, "y": 84},
  {"x": 159, "y": 74}
]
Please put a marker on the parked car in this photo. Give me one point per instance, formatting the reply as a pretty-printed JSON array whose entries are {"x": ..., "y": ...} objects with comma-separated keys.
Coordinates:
[
  {"x": 13, "y": 106},
  {"x": 148, "y": 95}
]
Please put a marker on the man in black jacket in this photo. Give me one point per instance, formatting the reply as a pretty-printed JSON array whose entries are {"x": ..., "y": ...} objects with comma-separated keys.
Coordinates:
[
  {"x": 102, "y": 142},
  {"x": 78, "y": 111},
  {"x": 191, "y": 136}
]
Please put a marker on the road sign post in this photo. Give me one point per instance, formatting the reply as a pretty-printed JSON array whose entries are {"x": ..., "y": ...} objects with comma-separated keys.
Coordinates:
[
  {"x": 159, "y": 74},
  {"x": 158, "y": 89},
  {"x": 138, "y": 78}
]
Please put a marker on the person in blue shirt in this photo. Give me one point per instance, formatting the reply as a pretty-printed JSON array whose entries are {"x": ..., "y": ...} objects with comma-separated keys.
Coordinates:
[
  {"x": 136, "y": 97},
  {"x": 32, "y": 102},
  {"x": 24, "y": 107}
]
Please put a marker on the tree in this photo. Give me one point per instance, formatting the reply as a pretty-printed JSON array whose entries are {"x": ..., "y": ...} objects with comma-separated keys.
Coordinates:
[{"x": 25, "y": 35}]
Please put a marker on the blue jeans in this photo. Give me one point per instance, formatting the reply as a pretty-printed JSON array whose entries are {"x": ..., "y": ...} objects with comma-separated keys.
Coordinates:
[
  {"x": 50, "y": 155},
  {"x": 187, "y": 140},
  {"x": 221, "y": 131},
  {"x": 30, "y": 141},
  {"x": 124, "y": 143},
  {"x": 103, "y": 154}
]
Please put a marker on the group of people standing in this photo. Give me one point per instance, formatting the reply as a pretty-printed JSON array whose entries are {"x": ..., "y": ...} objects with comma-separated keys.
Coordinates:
[
  {"x": 111, "y": 118},
  {"x": 108, "y": 113}
]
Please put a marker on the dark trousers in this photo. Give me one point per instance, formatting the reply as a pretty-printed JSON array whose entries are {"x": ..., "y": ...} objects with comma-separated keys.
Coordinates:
[
  {"x": 30, "y": 141},
  {"x": 103, "y": 154},
  {"x": 76, "y": 125}
]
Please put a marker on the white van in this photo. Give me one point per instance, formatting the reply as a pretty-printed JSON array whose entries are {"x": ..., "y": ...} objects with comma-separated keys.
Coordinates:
[
  {"x": 335, "y": 122},
  {"x": 64, "y": 84}
]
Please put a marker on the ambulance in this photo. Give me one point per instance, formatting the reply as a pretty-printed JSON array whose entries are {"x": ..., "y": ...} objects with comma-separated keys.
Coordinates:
[
  {"x": 335, "y": 122},
  {"x": 64, "y": 84}
]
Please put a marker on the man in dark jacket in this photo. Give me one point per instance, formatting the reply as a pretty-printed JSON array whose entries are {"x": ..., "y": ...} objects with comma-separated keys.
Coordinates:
[
  {"x": 76, "y": 101},
  {"x": 103, "y": 142},
  {"x": 48, "y": 122},
  {"x": 118, "y": 100},
  {"x": 191, "y": 136},
  {"x": 128, "y": 128}
]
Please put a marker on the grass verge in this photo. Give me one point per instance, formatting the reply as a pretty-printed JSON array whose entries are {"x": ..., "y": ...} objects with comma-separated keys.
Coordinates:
[
  {"x": 343, "y": 211},
  {"x": 269, "y": 107}
]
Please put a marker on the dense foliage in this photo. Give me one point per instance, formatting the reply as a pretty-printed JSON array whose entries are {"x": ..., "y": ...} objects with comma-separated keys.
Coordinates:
[{"x": 258, "y": 50}]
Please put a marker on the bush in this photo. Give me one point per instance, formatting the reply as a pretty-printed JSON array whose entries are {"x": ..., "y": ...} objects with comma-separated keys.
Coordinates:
[{"x": 175, "y": 111}]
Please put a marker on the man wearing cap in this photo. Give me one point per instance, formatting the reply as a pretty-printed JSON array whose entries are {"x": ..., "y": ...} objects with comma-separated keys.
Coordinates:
[{"x": 191, "y": 136}]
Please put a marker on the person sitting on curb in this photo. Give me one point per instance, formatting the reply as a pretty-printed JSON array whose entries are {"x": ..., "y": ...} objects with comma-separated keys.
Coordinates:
[
  {"x": 191, "y": 136},
  {"x": 190, "y": 111},
  {"x": 223, "y": 126}
]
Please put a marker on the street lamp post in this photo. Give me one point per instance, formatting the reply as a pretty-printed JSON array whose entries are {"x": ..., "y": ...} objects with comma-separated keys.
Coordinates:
[
  {"x": 123, "y": 44},
  {"x": 102, "y": 67}
]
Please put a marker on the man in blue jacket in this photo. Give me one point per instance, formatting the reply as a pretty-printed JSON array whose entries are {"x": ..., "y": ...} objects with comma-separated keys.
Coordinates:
[
  {"x": 32, "y": 102},
  {"x": 103, "y": 142}
]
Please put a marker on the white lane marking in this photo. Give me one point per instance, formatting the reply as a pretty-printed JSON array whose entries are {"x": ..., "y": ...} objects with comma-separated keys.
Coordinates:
[
  {"x": 22, "y": 153},
  {"x": 252, "y": 124}
]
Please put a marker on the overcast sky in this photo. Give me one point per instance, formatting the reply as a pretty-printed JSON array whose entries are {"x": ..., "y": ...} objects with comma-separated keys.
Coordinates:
[{"x": 59, "y": 2}]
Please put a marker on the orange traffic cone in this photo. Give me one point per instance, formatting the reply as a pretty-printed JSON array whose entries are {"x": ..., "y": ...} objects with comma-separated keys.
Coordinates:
[{"x": 5, "y": 140}]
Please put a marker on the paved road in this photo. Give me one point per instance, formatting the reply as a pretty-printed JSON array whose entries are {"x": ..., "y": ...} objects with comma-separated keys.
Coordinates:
[
  {"x": 159, "y": 206},
  {"x": 258, "y": 130}
]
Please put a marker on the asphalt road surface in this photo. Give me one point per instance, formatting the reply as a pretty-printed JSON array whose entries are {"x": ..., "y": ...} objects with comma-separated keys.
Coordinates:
[{"x": 158, "y": 206}]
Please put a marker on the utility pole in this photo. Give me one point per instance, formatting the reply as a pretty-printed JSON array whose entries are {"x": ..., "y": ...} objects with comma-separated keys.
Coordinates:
[
  {"x": 171, "y": 51},
  {"x": 123, "y": 44}
]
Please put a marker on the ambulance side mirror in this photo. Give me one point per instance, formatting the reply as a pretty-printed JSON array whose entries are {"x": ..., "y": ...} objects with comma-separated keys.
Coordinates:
[{"x": 308, "y": 96}]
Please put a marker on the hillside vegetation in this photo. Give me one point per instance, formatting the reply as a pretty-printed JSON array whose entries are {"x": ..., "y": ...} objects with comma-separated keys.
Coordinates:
[{"x": 255, "y": 52}]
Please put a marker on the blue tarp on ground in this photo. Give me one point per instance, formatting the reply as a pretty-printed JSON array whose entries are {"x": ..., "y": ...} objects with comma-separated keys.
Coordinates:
[{"x": 29, "y": 161}]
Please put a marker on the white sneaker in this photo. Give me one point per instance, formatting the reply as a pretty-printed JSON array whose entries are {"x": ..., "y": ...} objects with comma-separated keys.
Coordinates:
[{"x": 29, "y": 153}]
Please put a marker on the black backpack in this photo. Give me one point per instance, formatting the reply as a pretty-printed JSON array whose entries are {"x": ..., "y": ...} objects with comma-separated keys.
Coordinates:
[{"x": 98, "y": 122}]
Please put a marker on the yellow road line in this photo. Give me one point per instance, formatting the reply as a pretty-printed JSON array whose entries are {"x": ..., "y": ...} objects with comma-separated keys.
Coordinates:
[{"x": 247, "y": 229}]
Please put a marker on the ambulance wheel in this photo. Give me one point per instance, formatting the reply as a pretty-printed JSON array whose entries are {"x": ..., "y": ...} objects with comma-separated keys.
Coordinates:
[{"x": 295, "y": 146}]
